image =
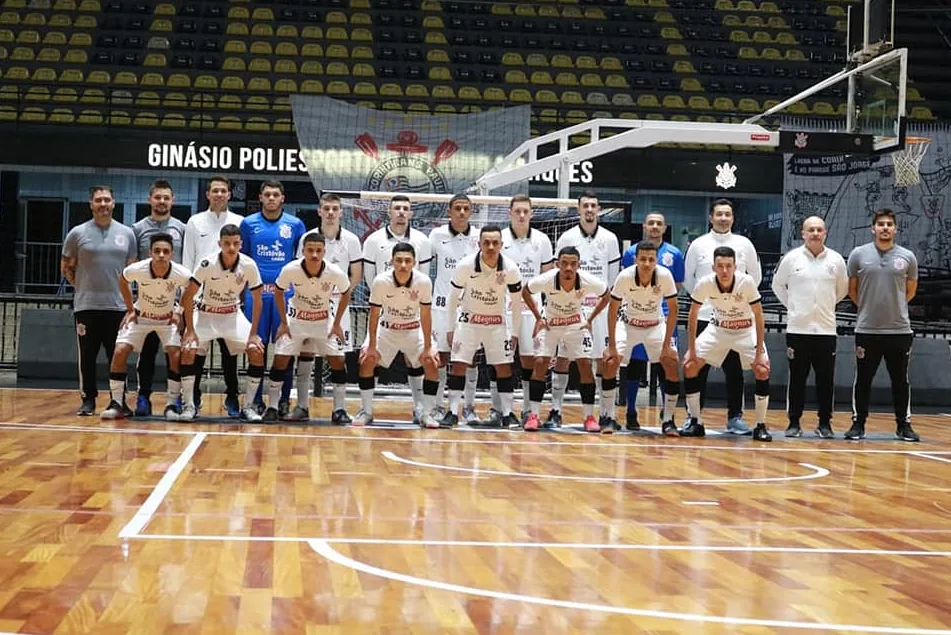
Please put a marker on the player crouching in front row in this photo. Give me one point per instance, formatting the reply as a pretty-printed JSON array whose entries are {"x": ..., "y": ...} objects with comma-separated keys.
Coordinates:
[
  {"x": 403, "y": 297},
  {"x": 159, "y": 281},
  {"x": 306, "y": 330},
  {"x": 565, "y": 329},
  {"x": 222, "y": 278},
  {"x": 739, "y": 327}
]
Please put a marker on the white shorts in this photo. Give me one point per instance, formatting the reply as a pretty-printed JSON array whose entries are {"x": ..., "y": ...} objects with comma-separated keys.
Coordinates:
[
  {"x": 312, "y": 337},
  {"x": 599, "y": 332},
  {"x": 570, "y": 342},
  {"x": 134, "y": 334},
  {"x": 468, "y": 338},
  {"x": 440, "y": 328},
  {"x": 714, "y": 344},
  {"x": 628, "y": 336},
  {"x": 233, "y": 328},
  {"x": 345, "y": 324},
  {"x": 389, "y": 342},
  {"x": 526, "y": 343}
]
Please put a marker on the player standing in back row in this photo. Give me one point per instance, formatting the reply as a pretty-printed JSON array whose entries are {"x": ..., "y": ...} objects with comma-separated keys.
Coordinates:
[
  {"x": 699, "y": 263},
  {"x": 600, "y": 257},
  {"x": 270, "y": 237}
]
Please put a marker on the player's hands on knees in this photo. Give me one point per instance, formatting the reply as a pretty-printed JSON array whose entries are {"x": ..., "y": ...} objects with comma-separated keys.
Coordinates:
[
  {"x": 670, "y": 353},
  {"x": 255, "y": 343},
  {"x": 282, "y": 331},
  {"x": 337, "y": 331},
  {"x": 430, "y": 355},
  {"x": 129, "y": 318},
  {"x": 761, "y": 366},
  {"x": 369, "y": 354},
  {"x": 611, "y": 355},
  {"x": 540, "y": 325},
  {"x": 690, "y": 361},
  {"x": 189, "y": 340}
]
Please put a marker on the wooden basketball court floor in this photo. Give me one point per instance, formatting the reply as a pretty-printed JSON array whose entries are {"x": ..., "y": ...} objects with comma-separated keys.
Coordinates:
[{"x": 148, "y": 527}]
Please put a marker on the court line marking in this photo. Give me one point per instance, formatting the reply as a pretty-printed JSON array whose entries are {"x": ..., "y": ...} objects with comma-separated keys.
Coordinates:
[
  {"x": 818, "y": 472},
  {"x": 537, "y": 442},
  {"x": 392, "y": 542},
  {"x": 151, "y": 504},
  {"x": 324, "y": 549},
  {"x": 710, "y": 503},
  {"x": 933, "y": 458}
]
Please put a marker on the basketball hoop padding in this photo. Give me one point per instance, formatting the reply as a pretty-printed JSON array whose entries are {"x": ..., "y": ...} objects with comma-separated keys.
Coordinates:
[{"x": 908, "y": 161}]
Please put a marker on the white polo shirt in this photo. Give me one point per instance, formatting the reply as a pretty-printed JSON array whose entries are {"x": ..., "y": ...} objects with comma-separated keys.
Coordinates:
[
  {"x": 600, "y": 253},
  {"x": 313, "y": 294},
  {"x": 809, "y": 287},
  {"x": 222, "y": 287},
  {"x": 485, "y": 290},
  {"x": 448, "y": 248},
  {"x": 731, "y": 306},
  {"x": 378, "y": 251},
  {"x": 698, "y": 262},
  {"x": 399, "y": 303},
  {"x": 201, "y": 235},
  {"x": 156, "y": 299},
  {"x": 644, "y": 305},
  {"x": 563, "y": 304},
  {"x": 341, "y": 250},
  {"x": 529, "y": 254}
]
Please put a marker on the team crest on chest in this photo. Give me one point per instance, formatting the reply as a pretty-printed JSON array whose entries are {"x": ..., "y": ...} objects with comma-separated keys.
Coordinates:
[
  {"x": 500, "y": 277},
  {"x": 414, "y": 295},
  {"x": 667, "y": 259},
  {"x": 239, "y": 278},
  {"x": 655, "y": 289},
  {"x": 285, "y": 230},
  {"x": 738, "y": 297},
  {"x": 169, "y": 286},
  {"x": 325, "y": 286}
]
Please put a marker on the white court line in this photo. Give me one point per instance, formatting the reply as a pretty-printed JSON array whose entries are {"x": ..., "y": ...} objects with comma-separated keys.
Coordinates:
[
  {"x": 145, "y": 513},
  {"x": 933, "y": 458},
  {"x": 323, "y": 548},
  {"x": 594, "y": 444},
  {"x": 818, "y": 472},
  {"x": 711, "y": 503}
]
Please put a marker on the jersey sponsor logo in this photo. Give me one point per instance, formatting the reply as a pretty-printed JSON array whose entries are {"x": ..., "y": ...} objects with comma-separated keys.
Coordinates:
[
  {"x": 274, "y": 251},
  {"x": 449, "y": 263}
]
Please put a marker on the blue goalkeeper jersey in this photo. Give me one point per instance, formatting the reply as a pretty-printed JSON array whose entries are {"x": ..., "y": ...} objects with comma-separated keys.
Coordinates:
[{"x": 272, "y": 244}]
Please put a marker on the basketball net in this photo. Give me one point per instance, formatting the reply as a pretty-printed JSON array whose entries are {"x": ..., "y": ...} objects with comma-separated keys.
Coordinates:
[{"x": 908, "y": 161}]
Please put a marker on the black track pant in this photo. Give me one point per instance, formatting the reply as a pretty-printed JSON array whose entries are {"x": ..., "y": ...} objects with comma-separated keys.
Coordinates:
[
  {"x": 869, "y": 352},
  {"x": 805, "y": 353},
  {"x": 735, "y": 385},
  {"x": 94, "y": 330}
]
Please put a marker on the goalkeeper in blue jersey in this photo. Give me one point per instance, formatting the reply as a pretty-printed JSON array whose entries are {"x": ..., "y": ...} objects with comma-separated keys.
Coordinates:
[
  {"x": 672, "y": 259},
  {"x": 270, "y": 238}
]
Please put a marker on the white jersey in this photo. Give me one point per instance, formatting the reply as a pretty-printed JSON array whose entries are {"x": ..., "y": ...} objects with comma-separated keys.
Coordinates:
[
  {"x": 313, "y": 294},
  {"x": 448, "y": 248},
  {"x": 563, "y": 305},
  {"x": 201, "y": 235},
  {"x": 342, "y": 250},
  {"x": 485, "y": 290},
  {"x": 600, "y": 252},
  {"x": 222, "y": 287},
  {"x": 731, "y": 307},
  {"x": 529, "y": 254},
  {"x": 156, "y": 298},
  {"x": 698, "y": 263},
  {"x": 644, "y": 305},
  {"x": 400, "y": 303},
  {"x": 378, "y": 251}
]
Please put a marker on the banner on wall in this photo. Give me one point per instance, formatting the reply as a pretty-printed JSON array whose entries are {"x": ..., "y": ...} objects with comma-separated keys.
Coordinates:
[
  {"x": 350, "y": 147},
  {"x": 846, "y": 192}
]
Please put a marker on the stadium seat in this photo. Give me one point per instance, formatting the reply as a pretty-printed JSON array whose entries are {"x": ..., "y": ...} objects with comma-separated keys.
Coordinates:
[{"x": 312, "y": 87}]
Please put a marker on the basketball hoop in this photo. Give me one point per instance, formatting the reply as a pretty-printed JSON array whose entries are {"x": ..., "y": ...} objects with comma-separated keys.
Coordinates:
[{"x": 908, "y": 161}]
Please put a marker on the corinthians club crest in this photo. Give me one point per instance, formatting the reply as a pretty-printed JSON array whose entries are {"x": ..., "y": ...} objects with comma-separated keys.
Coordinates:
[{"x": 412, "y": 169}]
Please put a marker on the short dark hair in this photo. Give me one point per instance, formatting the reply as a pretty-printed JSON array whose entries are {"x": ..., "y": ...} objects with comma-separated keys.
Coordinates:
[
  {"x": 314, "y": 237},
  {"x": 219, "y": 179},
  {"x": 588, "y": 194},
  {"x": 160, "y": 184},
  {"x": 645, "y": 245},
  {"x": 271, "y": 183},
  {"x": 399, "y": 198},
  {"x": 329, "y": 197},
  {"x": 520, "y": 198},
  {"x": 459, "y": 197},
  {"x": 229, "y": 230},
  {"x": 403, "y": 247},
  {"x": 569, "y": 250},
  {"x": 721, "y": 201},
  {"x": 161, "y": 237},
  {"x": 101, "y": 188},
  {"x": 724, "y": 252},
  {"x": 489, "y": 229},
  {"x": 884, "y": 213}
]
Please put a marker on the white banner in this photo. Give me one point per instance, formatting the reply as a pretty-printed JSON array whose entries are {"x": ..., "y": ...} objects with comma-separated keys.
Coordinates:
[{"x": 349, "y": 147}]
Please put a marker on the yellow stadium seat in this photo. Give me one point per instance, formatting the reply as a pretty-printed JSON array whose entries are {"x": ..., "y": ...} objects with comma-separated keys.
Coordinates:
[
  {"x": 747, "y": 52},
  {"x": 516, "y": 77},
  {"x": 202, "y": 101},
  {"x": 283, "y": 125},
  {"x": 174, "y": 100},
  {"x": 285, "y": 67},
  {"x": 572, "y": 13},
  {"x": 745, "y": 5},
  {"x": 259, "y": 65},
  {"x": 257, "y": 102},
  {"x": 71, "y": 76},
  {"x": 28, "y": 37},
  {"x": 446, "y": 109},
  {"x": 691, "y": 85},
  {"x": 363, "y": 70},
  {"x": 677, "y": 50},
  {"x": 37, "y": 93},
  {"x": 433, "y": 22},
  {"x": 770, "y": 53},
  {"x": 469, "y": 93},
  {"x": 435, "y": 38},
  {"x": 699, "y": 102},
  {"x": 229, "y": 122},
  {"x": 571, "y": 97},
  {"x": 762, "y": 37},
  {"x": 673, "y": 102},
  {"x": 234, "y": 65},
  {"x": 493, "y": 93},
  {"x": 33, "y": 114},
  {"x": 437, "y": 56},
  {"x": 152, "y": 79},
  {"x": 148, "y": 99},
  {"x": 777, "y": 22},
  {"x": 543, "y": 78},
  {"x": 312, "y": 87},
  {"x": 724, "y": 103},
  {"x": 360, "y": 18},
  {"x": 98, "y": 77},
  {"x": 287, "y": 31},
  {"x": 236, "y": 28},
  {"x": 338, "y": 50},
  {"x": 239, "y": 13},
  {"x": 536, "y": 59},
  {"x": 60, "y": 20},
  {"x": 261, "y": 29},
  {"x": 592, "y": 80},
  {"x": 338, "y": 68},
  {"x": 286, "y": 49},
  {"x": 89, "y": 118},
  {"x": 230, "y": 102},
  {"x": 391, "y": 89},
  {"x": 161, "y": 25},
  {"x": 441, "y": 91},
  {"x": 737, "y": 35},
  {"x": 85, "y": 22},
  {"x": 338, "y": 87},
  {"x": 520, "y": 95},
  {"x": 178, "y": 80},
  {"x": 336, "y": 17},
  {"x": 312, "y": 68},
  {"x": 90, "y": 6},
  {"x": 684, "y": 67},
  {"x": 76, "y": 56},
  {"x": 361, "y": 35},
  {"x": 594, "y": 13},
  {"x": 430, "y": 5},
  {"x": 823, "y": 108},
  {"x": 512, "y": 59},
  {"x": 921, "y": 112},
  {"x": 259, "y": 84},
  {"x": 34, "y": 19},
  {"x": 361, "y": 53},
  {"x": 173, "y": 120},
  {"x": 235, "y": 47},
  {"x": 440, "y": 74},
  {"x": 615, "y": 80},
  {"x": 312, "y": 50},
  {"x": 165, "y": 8},
  {"x": 64, "y": 5},
  {"x": 795, "y": 55},
  {"x": 155, "y": 60},
  {"x": 10, "y": 18},
  {"x": 417, "y": 91},
  {"x": 366, "y": 89},
  {"x": 664, "y": 17},
  {"x": 232, "y": 82},
  {"x": 22, "y": 54},
  {"x": 748, "y": 104},
  {"x": 786, "y": 38},
  {"x": 262, "y": 14},
  {"x": 261, "y": 48},
  {"x": 146, "y": 120}
]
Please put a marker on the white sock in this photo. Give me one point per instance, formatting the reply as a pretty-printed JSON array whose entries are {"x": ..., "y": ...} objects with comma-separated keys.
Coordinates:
[
  {"x": 366, "y": 400},
  {"x": 188, "y": 391},
  {"x": 274, "y": 392},
  {"x": 762, "y": 406},
  {"x": 117, "y": 391},
  {"x": 693, "y": 405},
  {"x": 506, "y": 400},
  {"x": 174, "y": 392},
  {"x": 494, "y": 393},
  {"x": 251, "y": 388},
  {"x": 670, "y": 405},
  {"x": 455, "y": 396},
  {"x": 526, "y": 402},
  {"x": 597, "y": 386},
  {"x": 340, "y": 396},
  {"x": 587, "y": 410},
  {"x": 607, "y": 403},
  {"x": 443, "y": 371},
  {"x": 535, "y": 406},
  {"x": 416, "y": 387},
  {"x": 304, "y": 371},
  {"x": 559, "y": 384},
  {"x": 472, "y": 380}
]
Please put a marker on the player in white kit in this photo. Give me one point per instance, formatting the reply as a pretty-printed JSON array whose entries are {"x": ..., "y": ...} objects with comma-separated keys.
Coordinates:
[
  {"x": 481, "y": 283},
  {"x": 402, "y": 297},
  {"x": 378, "y": 246},
  {"x": 222, "y": 279},
  {"x": 309, "y": 327},
  {"x": 531, "y": 251},
  {"x": 739, "y": 327},
  {"x": 451, "y": 243},
  {"x": 600, "y": 257},
  {"x": 158, "y": 280},
  {"x": 564, "y": 328},
  {"x": 342, "y": 248},
  {"x": 643, "y": 290}
]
